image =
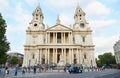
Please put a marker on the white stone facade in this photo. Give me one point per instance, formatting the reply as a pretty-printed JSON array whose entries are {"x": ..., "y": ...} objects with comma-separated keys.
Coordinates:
[
  {"x": 47, "y": 45},
  {"x": 116, "y": 48}
]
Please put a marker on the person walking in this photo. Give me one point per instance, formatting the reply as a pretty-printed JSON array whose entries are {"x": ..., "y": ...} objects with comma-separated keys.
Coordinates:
[
  {"x": 6, "y": 72},
  {"x": 34, "y": 69},
  {"x": 29, "y": 69},
  {"x": 23, "y": 71},
  {"x": 65, "y": 69},
  {"x": 16, "y": 70}
]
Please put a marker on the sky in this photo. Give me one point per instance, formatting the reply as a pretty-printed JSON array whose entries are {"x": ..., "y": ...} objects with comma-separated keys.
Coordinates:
[{"x": 102, "y": 15}]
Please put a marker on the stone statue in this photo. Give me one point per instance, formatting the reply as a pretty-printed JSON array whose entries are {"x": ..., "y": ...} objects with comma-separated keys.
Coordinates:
[{"x": 61, "y": 61}]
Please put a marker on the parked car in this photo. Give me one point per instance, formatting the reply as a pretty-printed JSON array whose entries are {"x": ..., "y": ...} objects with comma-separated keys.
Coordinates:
[{"x": 73, "y": 69}]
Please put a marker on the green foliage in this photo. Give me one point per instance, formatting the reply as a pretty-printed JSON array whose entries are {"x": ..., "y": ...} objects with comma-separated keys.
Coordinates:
[
  {"x": 4, "y": 44},
  {"x": 13, "y": 60},
  {"x": 3, "y": 58},
  {"x": 106, "y": 58}
]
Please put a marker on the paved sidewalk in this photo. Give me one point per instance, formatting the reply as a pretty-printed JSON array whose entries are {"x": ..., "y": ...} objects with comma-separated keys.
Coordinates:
[{"x": 62, "y": 74}]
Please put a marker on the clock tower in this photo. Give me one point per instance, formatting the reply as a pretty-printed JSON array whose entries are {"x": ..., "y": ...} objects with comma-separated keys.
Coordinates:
[
  {"x": 80, "y": 21},
  {"x": 37, "y": 20}
]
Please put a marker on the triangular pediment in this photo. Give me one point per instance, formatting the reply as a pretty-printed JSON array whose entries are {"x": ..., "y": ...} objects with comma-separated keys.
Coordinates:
[{"x": 59, "y": 27}]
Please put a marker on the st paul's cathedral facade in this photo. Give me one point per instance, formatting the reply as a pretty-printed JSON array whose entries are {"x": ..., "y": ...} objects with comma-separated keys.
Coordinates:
[{"x": 59, "y": 44}]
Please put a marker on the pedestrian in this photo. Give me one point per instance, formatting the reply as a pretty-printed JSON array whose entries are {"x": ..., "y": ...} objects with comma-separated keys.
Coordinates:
[
  {"x": 34, "y": 69},
  {"x": 6, "y": 72},
  {"x": 65, "y": 69},
  {"x": 23, "y": 71},
  {"x": 29, "y": 69},
  {"x": 16, "y": 69}
]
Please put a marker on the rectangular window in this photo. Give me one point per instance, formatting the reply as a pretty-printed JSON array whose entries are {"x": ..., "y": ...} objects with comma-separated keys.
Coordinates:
[
  {"x": 83, "y": 39},
  {"x": 33, "y": 56},
  {"x": 73, "y": 40},
  {"x": 85, "y": 56},
  {"x": 74, "y": 55}
]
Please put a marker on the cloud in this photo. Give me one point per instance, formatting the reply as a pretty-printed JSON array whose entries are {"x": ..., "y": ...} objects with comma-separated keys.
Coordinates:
[
  {"x": 31, "y": 2},
  {"x": 98, "y": 24},
  {"x": 104, "y": 44},
  {"x": 4, "y": 6},
  {"x": 66, "y": 19},
  {"x": 97, "y": 8},
  {"x": 21, "y": 19},
  {"x": 60, "y": 3}
]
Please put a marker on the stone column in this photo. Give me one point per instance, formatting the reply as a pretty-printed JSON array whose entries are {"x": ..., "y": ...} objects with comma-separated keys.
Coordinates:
[
  {"x": 56, "y": 56},
  {"x": 45, "y": 56},
  {"x": 46, "y": 37},
  {"x": 61, "y": 38},
  {"x": 40, "y": 56},
  {"x": 49, "y": 37},
  {"x": 80, "y": 53},
  {"x": 71, "y": 37},
  {"x": 65, "y": 55},
  {"x": 62, "y": 52},
  {"x": 53, "y": 55},
  {"x": 56, "y": 37},
  {"x": 77, "y": 56},
  {"x": 72, "y": 56},
  {"x": 48, "y": 55},
  {"x": 64, "y": 37}
]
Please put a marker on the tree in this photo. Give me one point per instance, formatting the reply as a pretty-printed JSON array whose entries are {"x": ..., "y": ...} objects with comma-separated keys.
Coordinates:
[
  {"x": 4, "y": 44},
  {"x": 14, "y": 60},
  {"x": 106, "y": 58}
]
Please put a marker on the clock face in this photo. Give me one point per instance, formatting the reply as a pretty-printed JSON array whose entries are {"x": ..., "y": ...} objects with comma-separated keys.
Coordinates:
[{"x": 35, "y": 25}]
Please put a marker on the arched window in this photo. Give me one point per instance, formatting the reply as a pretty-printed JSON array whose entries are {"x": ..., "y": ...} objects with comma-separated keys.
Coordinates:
[
  {"x": 36, "y": 14},
  {"x": 82, "y": 25},
  {"x": 85, "y": 57},
  {"x": 33, "y": 56}
]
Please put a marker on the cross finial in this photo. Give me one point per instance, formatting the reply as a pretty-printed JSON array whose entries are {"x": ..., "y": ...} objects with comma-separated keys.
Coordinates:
[{"x": 58, "y": 20}]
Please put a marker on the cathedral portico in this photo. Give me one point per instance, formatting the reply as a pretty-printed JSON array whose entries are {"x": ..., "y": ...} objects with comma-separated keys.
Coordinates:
[{"x": 59, "y": 43}]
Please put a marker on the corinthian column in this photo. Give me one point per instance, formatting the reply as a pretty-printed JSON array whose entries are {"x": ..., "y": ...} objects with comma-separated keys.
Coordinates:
[
  {"x": 56, "y": 37},
  {"x": 46, "y": 37},
  {"x": 48, "y": 55},
  {"x": 64, "y": 37},
  {"x": 69, "y": 38},
  {"x": 70, "y": 58},
  {"x": 77, "y": 56},
  {"x": 53, "y": 55},
  {"x": 65, "y": 55},
  {"x": 56, "y": 55},
  {"x": 72, "y": 55}
]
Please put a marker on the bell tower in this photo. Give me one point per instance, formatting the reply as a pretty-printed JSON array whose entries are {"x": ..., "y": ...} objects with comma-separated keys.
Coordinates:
[
  {"x": 37, "y": 19},
  {"x": 38, "y": 15},
  {"x": 79, "y": 17}
]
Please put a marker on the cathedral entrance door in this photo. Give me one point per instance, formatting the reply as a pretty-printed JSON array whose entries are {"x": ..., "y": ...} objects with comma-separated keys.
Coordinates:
[
  {"x": 75, "y": 61},
  {"x": 43, "y": 61},
  {"x": 58, "y": 57}
]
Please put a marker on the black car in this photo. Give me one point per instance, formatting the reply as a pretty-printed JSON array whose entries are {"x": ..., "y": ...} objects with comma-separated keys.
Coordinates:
[{"x": 73, "y": 69}]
